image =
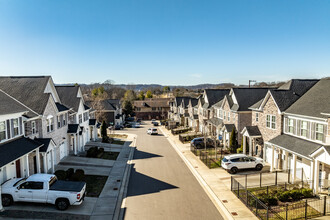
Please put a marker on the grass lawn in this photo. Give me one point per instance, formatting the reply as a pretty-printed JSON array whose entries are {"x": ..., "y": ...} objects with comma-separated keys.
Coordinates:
[
  {"x": 94, "y": 184},
  {"x": 110, "y": 155},
  {"x": 118, "y": 142},
  {"x": 118, "y": 135}
]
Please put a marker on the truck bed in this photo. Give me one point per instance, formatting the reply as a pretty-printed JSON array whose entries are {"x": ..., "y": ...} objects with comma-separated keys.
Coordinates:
[{"x": 71, "y": 186}]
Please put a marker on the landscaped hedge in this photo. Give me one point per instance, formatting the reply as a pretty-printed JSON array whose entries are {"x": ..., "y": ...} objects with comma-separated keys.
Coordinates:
[
  {"x": 95, "y": 152},
  {"x": 184, "y": 138},
  {"x": 70, "y": 174},
  {"x": 180, "y": 130}
]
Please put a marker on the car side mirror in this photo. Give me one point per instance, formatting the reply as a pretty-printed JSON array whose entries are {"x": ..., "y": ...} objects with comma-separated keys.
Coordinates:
[{"x": 18, "y": 188}]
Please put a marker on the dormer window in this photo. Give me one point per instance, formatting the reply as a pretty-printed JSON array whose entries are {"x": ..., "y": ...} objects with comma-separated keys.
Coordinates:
[
  {"x": 257, "y": 116},
  {"x": 15, "y": 127},
  {"x": 50, "y": 123},
  {"x": 33, "y": 127},
  {"x": 80, "y": 118},
  {"x": 319, "y": 129},
  {"x": 3, "y": 131}
]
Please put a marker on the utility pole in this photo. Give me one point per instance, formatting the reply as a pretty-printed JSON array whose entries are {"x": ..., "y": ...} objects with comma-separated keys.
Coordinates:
[{"x": 251, "y": 81}]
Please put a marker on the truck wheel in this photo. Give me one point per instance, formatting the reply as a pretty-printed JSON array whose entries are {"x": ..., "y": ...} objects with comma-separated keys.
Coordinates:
[
  {"x": 7, "y": 200},
  {"x": 233, "y": 170},
  {"x": 62, "y": 204},
  {"x": 259, "y": 167}
]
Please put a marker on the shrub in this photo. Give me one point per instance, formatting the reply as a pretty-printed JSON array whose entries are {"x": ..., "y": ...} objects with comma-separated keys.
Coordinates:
[
  {"x": 269, "y": 199},
  {"x": 283, "y": 196},
  {"x": 239, "y": 150},
  {"x": 100, "y": 152},
  {"x": 296, "y": 194},
  {"x": 307, "y": 193},
  {"x": 91, "y": 152},
  {"x": 60, "y": 174},
  {"x": 69, "y": 173},
  {"x": 78, "y": 175}
]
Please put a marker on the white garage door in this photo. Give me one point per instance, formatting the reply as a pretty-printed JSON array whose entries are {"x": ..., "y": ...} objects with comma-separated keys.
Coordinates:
[
  {"x": 49, "y": 160},
  {"x": 62, "y": 151},
  {"x": 268, "y": 155}
]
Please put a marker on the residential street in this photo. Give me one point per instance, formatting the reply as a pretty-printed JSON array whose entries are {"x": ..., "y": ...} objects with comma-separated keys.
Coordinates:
[{"x": 161, "y": 186}]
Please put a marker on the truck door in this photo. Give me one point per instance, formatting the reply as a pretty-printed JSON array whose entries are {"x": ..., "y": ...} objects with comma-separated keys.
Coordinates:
[
  {"x": 39, "y": 192},
  {"x": 24, "y": 192}
]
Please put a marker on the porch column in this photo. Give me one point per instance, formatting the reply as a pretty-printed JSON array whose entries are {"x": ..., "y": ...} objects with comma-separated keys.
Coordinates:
[
  {"x": 76, "y": 144},
  {"x": 273, "y": 157},
  {"x": 294, "y": 168},
  {"x": 316, "y": 176},
  {"x": 53, "y": 161},
  {"x": 264, "y": 152},
  {"x": 244, "y": 144},
  {"x": 250, "y": 146},
  {"x": 311, "y": 185},
  {"x": 38, "y": 160},
  {"x": 26, "y": 165},
  {"x": 1, "y": 208},
  {"x": 286, "y": 160},
  {"x": 45, "y": 163}
]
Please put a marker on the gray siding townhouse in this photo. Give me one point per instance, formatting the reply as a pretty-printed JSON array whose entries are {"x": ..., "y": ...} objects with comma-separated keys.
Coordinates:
[
  {"x": 18, "y": 154},
  {"x": 108, "y": 110},
  {"x": 80, "y": 128},
  {"x": 305, "y": 142},
  {"x": 48, "y": 117}
]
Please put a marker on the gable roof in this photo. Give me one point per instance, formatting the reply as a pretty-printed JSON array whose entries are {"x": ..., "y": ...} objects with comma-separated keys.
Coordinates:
[
  {"x": 194, "y": 102},
  {"x": 16, "y": 148},
  {"x": 45, "y": 142},
  {"x": 10, "y": 105},
  {"x": 28, "y": 90},
  {"x": 107, "y": 104},
  {"x": 314, "y": 102},
  {"x": 68, "y": 96},
  {"x": 215, "y": 95},
  {"x": 162, "y": 102},
  {"x": 247, "y": 97}
]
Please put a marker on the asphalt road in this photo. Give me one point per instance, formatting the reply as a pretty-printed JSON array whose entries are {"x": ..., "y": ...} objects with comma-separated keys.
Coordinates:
[{"x": 161, "y": 186}]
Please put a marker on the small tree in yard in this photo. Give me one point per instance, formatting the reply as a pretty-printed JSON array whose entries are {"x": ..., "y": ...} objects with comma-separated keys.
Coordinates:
[
  {"x": 104, "y": 132},
  {"x": 233, "y": 141}
]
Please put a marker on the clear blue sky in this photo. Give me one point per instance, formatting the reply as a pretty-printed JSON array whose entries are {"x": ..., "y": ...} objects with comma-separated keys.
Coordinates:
[{"x": 165, "y": 41}]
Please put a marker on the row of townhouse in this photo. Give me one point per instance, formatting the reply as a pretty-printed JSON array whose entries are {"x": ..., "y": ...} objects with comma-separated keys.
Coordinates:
[
  {"x": 40, "y": 124},
  {"x": 288, "y": 126}
]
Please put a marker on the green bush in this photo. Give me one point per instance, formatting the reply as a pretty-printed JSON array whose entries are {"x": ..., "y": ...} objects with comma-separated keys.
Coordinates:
[
  {"x": 92, "y": 152},
  {"x": 69, "y": 173},
  {"x": 269, "y": 200},
  {"x": 296, "y": 194},
  {"x": 283, "y": 196},
  {"x": 239, "y": 150},
  {"x": 78, "y": 175},
  {"x": 60, "y": 174},
  {"x": 307, "y": 193}
]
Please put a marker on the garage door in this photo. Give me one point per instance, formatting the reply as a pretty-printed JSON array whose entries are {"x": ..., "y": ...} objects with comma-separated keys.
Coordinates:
[
  {"x": 62, "y": 151},
  {"x": 268, "y": 155},
  {"x": 49, "y": 160}
]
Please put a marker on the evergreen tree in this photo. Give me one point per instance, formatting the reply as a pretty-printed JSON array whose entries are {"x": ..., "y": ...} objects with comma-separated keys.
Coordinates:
[
  {"x": 233, "y": 141},
  {"x": 104, "y": 132}
]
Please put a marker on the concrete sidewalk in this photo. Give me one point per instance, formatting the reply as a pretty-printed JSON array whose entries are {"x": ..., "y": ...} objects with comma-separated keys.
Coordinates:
[{"x": 216, "y": 182}]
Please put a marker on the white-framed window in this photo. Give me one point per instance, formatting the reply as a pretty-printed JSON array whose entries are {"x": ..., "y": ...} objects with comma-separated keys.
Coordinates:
[
  {"x": 3, "y": 130},
  {"x": 303, "y": 128},
  {"x": 16, "y": 127},
  {"x": 50, "y": 123},
  {"x": 58, "y": 122},
  {"x": 80, "y": 118},
  {"x": 224, "y": 115},
  {"x": 64, "y": 119},
  {"x": 257, "y": 116},
  {"x": 33, "y": 127},
  {"x": 221, "y": 116},
  {"x": 271, "y": 121},
  {"x": 319, "y": 135},
  {"x": 290, "y": 125},
  {"x": 228, "y": 116}
]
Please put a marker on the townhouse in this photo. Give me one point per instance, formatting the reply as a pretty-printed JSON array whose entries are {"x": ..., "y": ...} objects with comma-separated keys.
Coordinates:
[
  {"x": 267, "y": 116},
  {"x": 108, "y": 110},
  {"x": 176, "y": 112},
  {"x": 18, "y": 154},
  {"x": 193, "y": 113},
  {"x": 81, "y": 128},
  {"x": 305, "y": 142},
  {"x": 154, "y": 108}
]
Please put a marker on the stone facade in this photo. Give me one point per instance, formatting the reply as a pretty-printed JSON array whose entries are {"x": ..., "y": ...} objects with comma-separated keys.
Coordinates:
[
  {"x": 28, "y": 129},
  {"x": 270, "y": 108}
]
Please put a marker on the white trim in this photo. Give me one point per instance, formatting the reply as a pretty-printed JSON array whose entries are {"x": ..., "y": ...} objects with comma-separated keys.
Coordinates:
[
  {"x": 289, "y": 151},
  {"x": 310, "y": 118}
]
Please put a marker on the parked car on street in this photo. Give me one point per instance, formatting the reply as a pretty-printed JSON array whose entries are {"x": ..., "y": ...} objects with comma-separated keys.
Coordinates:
[
  {"x": 119, "y": 127},
  {"x": 138, "y": 120},
  {"x": 152, "y": 131},
  {"x": 199, "y": 142},
  {"x": 234, "y": 162},
  {"x": 155, "y": 123},
  {"x": 43, "y": 188},
  {"x": 153, "y": 120},
  {"x": 136, "y": 125}
]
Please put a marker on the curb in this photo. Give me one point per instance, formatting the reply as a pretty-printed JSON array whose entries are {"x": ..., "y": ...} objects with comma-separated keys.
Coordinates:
[
  {"x": 119, "y": 213},
  {"x": 216, "y": 201}
]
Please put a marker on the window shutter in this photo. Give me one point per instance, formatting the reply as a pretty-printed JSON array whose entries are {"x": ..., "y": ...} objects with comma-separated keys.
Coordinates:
[
  {"x": 324, "y": 133},
  {"x": 8, "y": 129},
  {"x": 12, "y": 127},
  {"x": 294, "y": 126},
  {"x": 298, "y": 127},
  {"x": 20, "y": 125},
  {"x": 313, "y": 130},
  {"x": 286, "y": 124},
  {"x": 308, "y": 129}
]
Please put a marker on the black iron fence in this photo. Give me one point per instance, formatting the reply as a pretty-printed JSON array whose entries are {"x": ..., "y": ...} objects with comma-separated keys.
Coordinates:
[
  {"x": 210, "y": 156},
  {"x": 303, "y": 209}
]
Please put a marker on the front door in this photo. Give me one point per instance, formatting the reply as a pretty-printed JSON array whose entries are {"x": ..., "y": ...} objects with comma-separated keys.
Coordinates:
[{"x": 18, "y": 169}]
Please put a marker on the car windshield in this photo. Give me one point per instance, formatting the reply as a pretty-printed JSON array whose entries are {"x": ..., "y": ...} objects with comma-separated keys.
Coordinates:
[{"x": 224, "y": 159}]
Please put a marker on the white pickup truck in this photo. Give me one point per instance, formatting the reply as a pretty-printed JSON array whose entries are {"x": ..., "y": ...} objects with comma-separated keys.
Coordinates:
[{"x": 43, "y": 188}]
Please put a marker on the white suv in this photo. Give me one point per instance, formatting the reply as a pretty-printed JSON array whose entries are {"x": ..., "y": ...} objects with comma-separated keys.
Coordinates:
[
  {"x": 152, "y": 131},
  {"x": 234, "y": 162}
]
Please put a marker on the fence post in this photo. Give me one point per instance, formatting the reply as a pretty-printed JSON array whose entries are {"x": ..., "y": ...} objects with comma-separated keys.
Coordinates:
[
  {"x": 276, "y": 178},
  {"x": 256, "y": 207},
  {"x": 260, "y": 178},
  {"x": 286, "y": 212},
  {"x": 289, "y": 176},
  {"x": 247, "y": 197},
  {"x": 231, "y": 183},
  {"x": 245, "y": 181},
  {"x": 306, "y": 209},
  {"x": 325, "y": 206},
  {"x": 302, "y": 177},
  {"x": 267, "y": 213}
]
